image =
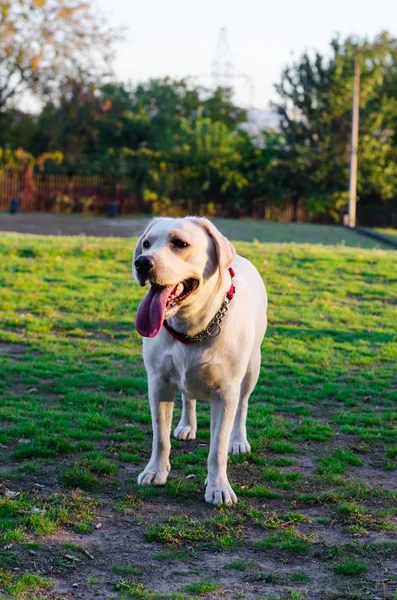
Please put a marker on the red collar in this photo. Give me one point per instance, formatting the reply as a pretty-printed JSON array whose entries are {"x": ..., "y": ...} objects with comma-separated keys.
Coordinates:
[{"x": 185, "y": 339}]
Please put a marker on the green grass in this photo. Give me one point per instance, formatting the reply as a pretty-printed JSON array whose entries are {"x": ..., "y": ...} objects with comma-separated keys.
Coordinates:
[
  {"x": 126, "y": 570},
  {"x": 75, "y": 419},
  {"x": 23, "y": 586},
  {"x": 389, "y": 232},
  {"x": 140, "y": 592},
  {"x": 289, "y": 540},
  {"x": 338, "y": 462},
  {"x": 28, "y": 514},
  {"x": 174, "y": 555},
  {"x": 222, "y": 530},
  {"x": 299, "y": 233},
  {"x": 85, "y": 474},
  {"x": 203, "y": 587},
  {"x": 300, "y": 576},
  {"x": 351, "y": 568}
]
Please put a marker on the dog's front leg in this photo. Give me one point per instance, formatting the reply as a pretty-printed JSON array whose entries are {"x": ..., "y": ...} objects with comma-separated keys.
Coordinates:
[
  {"x": 161, "y": 397},
  {"x": 223, "y": 411}
]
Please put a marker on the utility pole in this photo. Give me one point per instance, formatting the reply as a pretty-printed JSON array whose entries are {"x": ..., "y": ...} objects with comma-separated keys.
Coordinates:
[{"x": 354, "y": 146}]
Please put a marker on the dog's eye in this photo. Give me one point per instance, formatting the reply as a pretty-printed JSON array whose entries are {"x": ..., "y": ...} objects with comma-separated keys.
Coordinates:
[
  {"x": 146, "y": 244},
  {"x": 179, "y": 243}
]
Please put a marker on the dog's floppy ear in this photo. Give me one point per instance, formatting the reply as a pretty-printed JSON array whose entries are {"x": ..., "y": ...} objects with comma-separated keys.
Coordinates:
[
  {"x": 138, "y": 247},
  {"x": 225, "y": 251}
]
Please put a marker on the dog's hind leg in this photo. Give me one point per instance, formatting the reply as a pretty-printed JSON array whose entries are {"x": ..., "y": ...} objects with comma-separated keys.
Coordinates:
[
  {"x": 187, "y": 426},
  {"x": 238, "y": 440}
]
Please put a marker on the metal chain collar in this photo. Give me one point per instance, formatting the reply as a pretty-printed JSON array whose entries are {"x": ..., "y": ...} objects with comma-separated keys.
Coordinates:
[{"x": 213, "y": 328}]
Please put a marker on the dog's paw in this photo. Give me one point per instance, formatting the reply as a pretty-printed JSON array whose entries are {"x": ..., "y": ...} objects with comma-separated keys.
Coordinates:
[
  {"x": 184, "y": 432},
  {"x": 239, "y": 446},
  {"x": 220, "y": 493},
  {"x": 151, "y": 476}
]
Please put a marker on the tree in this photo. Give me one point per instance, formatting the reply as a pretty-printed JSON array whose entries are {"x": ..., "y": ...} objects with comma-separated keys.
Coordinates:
[
  {"x": 70, "y": 124},
  {"x": 210, "y": 164},
  {"x": 42, "y": 42},
  {"x": 178, "y": 144},
  {"x": 219, "y": 106},
  {"x": 17, "y": 129},
  {"x": 315, "y": 109},
  {"x": 166, "y": 102},
  {"x": 90, "y": 121}
]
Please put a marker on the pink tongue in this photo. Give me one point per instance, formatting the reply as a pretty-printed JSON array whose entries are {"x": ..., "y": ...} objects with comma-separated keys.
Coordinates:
[{"x": 150, "y": 315}]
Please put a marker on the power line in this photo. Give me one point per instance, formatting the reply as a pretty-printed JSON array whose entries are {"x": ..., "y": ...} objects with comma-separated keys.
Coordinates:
[{"x": 223, "y": 72}]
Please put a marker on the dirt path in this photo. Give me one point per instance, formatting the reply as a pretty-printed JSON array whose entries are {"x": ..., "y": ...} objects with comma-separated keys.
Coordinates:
[{"x": 63, "y": 224}]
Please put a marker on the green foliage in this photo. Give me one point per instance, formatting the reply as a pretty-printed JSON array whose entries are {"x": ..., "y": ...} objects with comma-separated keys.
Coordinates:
[
  {"x": 181, "y": 148},
  {"x": 316, "y": 104}
]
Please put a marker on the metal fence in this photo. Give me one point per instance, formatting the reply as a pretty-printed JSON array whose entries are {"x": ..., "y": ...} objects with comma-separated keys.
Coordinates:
[
  {"x": 93, "y": 193},
  {"x": 63, "y": 193}
]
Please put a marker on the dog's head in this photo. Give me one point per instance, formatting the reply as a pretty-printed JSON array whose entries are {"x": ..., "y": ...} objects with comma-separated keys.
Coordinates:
[{"x": 177, "y": 257}]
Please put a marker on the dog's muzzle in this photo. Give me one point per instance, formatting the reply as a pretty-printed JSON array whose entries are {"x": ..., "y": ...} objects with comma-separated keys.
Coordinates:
[{"x": 144, "y": 264}]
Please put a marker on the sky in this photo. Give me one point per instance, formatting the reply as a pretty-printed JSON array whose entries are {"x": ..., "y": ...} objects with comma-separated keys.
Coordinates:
[{"x": 179, "y": 37}]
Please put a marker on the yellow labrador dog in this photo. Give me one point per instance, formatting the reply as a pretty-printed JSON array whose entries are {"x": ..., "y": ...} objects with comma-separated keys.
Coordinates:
[{"x": 203, "y": 321}]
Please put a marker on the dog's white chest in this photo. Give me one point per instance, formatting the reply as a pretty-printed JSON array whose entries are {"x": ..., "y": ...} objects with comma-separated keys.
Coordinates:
[{"x": 196, "y": 379}]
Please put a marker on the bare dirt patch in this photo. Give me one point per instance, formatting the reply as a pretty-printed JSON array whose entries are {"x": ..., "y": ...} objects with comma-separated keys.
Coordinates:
[
  {"x": 10, "y": 349},
  {"x": 63, "y": 224}
]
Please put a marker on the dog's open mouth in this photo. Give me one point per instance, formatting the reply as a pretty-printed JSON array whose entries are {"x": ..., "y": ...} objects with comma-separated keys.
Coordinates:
[
  {"x": 162, "y": 302},
  {"x": 178, "y": 295}
]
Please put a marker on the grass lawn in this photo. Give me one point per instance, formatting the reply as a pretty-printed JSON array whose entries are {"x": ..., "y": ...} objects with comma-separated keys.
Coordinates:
[
  {"x": 317, "y": 512},
  {"x": 299, "y": 233},
  {"x": 247, "y": 230},
  {"x": 387, "y": 231}
]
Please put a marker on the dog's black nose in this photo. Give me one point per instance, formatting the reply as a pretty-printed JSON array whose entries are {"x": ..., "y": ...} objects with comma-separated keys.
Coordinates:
[{"x": 144, "y": 264}]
